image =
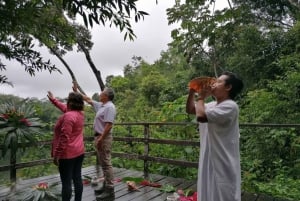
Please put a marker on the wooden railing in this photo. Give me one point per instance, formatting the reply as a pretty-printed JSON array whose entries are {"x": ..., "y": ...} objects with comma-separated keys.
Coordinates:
[{"x": 122, "y": 133}]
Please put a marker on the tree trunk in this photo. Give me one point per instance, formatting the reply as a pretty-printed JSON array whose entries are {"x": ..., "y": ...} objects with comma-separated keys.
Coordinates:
[{"x": 97, "y": 73}]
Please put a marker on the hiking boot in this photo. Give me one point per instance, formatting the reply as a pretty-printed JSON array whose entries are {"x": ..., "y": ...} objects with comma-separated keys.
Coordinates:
[
  {"x": 100, "y": 190},
  {"x": 107, "y": 195}
]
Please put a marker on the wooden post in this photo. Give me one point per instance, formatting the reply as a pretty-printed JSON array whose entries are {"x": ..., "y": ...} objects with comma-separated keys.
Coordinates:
[
  {"x": 13, "y": 171},
  {"x": 146, "y": 150}
]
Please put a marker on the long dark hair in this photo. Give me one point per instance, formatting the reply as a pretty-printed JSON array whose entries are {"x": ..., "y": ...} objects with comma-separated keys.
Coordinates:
[{"x": 75, "y": 101}]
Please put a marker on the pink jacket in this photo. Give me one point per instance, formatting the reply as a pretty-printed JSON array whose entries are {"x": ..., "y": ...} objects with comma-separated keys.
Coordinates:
[{"x": 67, "y": 141}]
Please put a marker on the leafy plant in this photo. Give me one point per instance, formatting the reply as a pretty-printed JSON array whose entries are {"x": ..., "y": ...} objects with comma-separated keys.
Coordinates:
[
  {"x": 135, "y": 179},
  {"x": 40, "y": 192},
  {"x": 280, "y": 187},
  {"x": 168, "y": 188},
  {"x": 17, "y": 125}
]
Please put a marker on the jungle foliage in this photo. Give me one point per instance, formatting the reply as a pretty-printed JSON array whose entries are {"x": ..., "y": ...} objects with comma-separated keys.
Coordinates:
[{"x": 258, "y": 40}]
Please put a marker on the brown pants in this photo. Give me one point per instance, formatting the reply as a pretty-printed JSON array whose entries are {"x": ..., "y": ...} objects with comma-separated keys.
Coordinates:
[{"x": 104, "y": 158}]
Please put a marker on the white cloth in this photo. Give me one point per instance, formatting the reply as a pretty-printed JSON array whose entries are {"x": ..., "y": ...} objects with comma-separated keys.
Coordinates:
[{"x": 219, "y": 174}]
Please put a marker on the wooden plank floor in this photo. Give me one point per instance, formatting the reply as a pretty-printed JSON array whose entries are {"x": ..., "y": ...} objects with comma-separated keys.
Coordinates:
[
  {"x": 121, "y": 191},
  {"x": 146, "y": 193}
]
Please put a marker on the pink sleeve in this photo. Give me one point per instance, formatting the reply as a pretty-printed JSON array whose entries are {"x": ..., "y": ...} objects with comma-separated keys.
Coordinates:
[{"x": 59, "y": 105}]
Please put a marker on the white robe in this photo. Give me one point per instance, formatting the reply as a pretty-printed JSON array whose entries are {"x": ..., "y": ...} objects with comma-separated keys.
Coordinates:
[{"x": 219, "y": 174}]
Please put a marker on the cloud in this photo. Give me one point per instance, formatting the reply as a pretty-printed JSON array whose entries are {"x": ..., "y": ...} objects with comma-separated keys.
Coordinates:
[{"x": 110, "y": 54}]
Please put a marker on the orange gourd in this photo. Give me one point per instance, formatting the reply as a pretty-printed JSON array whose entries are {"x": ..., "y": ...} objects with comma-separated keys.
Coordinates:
[{"x": 200, "y": 83}]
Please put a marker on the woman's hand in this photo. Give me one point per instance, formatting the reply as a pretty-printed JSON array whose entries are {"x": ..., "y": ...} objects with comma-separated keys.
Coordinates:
[{"x": 50, "y": 95}]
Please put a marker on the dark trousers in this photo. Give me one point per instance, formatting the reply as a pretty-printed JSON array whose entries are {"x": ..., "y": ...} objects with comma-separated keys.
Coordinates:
[{"x": 70, "y": 170}]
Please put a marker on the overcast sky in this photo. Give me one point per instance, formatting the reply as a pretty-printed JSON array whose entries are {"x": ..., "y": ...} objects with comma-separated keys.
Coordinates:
[{"x": 110, "y": 54}]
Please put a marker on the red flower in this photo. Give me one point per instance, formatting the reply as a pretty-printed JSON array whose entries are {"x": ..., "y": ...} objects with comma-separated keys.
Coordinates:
[
  {"x": 147, "y": 183},
  {"x": 42, "y": 186},
  {"x": 5, "y": 116},
  {"x": 85, "y": 181},
  {"x": 189, "y": 198},
  {"x": 25, "y": 121}
]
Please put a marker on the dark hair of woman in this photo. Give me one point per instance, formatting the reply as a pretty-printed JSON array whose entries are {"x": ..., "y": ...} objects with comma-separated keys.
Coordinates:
[{"x": 75, "y": 101}]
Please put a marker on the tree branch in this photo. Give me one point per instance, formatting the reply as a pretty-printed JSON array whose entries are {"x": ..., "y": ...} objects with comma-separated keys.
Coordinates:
[{"x": 68, "y": 68}]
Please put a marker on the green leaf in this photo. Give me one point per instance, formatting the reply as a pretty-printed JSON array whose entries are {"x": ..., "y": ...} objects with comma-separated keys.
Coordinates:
[
  {"x": 135, "y": 179},
  {"x": 87, "y": 177},
  {"x": 168, "y": 188}
]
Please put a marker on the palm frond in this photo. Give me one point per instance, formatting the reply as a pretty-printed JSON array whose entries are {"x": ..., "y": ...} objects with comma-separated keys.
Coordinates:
[{"x": 18, "y": 124}]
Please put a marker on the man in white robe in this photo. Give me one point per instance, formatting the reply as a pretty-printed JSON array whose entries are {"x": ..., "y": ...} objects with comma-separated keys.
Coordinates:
[{"x": 219, "y": 176}]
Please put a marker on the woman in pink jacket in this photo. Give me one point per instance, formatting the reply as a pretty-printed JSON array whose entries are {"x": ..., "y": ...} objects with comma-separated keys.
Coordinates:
[{"x": 67, "y": 145}]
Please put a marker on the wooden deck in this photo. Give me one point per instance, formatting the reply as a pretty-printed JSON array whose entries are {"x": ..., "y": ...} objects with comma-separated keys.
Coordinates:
[{"x": 121, "y": 192}]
